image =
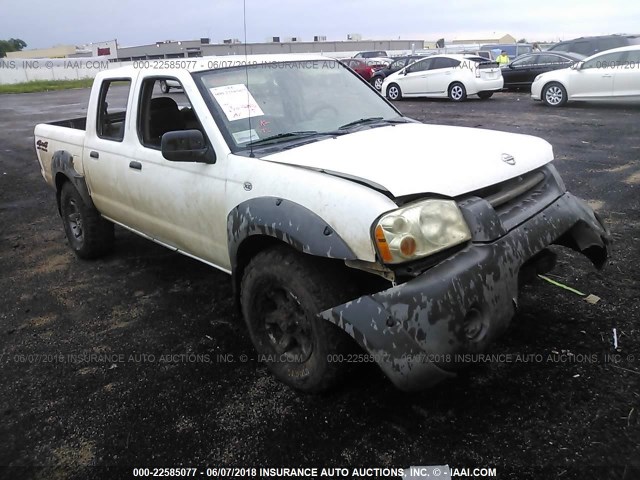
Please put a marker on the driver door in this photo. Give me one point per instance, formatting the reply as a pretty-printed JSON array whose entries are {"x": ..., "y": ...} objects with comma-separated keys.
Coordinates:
[
  {"x": 414, "y": 80},
  {"x": 595, "y": 77},
  {"x": 179, "y": 204}
]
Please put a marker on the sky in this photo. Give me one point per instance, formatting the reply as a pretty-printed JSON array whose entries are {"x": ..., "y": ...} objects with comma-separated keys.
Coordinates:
[{"x": 45, "y": 23}]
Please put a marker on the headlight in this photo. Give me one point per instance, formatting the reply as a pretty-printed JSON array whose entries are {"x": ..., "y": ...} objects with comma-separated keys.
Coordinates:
[{"x": 419, "y": 230}]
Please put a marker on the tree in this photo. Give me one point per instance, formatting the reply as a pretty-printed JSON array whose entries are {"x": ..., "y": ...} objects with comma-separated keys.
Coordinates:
[
  {"x": 522, "y": 40},
  {"x": 11, "y": 45}
]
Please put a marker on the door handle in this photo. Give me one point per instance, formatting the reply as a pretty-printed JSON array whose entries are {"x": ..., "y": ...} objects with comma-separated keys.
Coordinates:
[
  {"x": 135, "y": 165},
  {"x": 608, "y": 75},
  {"x": 94, "y": 154}
]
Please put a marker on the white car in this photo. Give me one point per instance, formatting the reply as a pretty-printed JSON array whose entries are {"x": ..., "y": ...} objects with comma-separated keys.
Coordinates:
[
  {"x": 610, "y": 75},
  {"x": 453, "y": 76}
]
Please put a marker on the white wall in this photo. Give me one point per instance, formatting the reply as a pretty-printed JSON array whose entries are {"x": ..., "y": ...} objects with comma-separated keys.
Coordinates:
[{"x": 17, "y": 70}]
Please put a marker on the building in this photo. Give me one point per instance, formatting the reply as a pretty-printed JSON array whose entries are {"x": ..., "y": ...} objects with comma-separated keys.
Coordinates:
[
  {"x": 483, "y": 41},
  {"x": 202, "y": 47},
  {"x": 108, "y": 49},
  {"x": 59, "y": 51}
]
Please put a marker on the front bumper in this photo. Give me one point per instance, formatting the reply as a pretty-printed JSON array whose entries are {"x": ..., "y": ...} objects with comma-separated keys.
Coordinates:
[
  {"x": 536, "y": 91},
  {"x": 415, "y": 330}
]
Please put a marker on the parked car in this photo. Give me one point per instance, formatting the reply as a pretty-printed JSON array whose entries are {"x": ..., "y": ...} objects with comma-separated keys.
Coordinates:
[
  {"x": 399, "y": 62},
  {"x": 410, "y": 260},
  {"x": 609, "y": 75},
  {"x": 362, "y": 67},
  {"x": 591, "y": 45},
  {"x": 167, "y": 85},
  {"x": 453, "y": 76},
  {"x": 371, "y": 54},
  {"x": 514, "y": 50},
  {"x": 521, "y": 72}
]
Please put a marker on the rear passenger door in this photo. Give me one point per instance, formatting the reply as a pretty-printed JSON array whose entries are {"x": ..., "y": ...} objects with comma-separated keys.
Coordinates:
[
  {"x": 179, "y": 204},
  {"x": 442, "y": 72},
  {"x": 107, "y": 145}
]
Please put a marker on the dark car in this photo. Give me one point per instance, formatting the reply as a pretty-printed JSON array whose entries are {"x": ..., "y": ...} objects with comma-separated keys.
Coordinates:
[
  {"x": 514, "y": 50},
  {"x": 371, "y": 54},
  {"x": 521, "y": 72},
  {"x": 587, "y": 46},
  {"x": 399, "y": 62}
]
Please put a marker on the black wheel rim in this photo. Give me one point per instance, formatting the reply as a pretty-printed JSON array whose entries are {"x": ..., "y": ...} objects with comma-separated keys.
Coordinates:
[
  {"x": 74, "y": 221},
  {"x": 286, "y": 325}
]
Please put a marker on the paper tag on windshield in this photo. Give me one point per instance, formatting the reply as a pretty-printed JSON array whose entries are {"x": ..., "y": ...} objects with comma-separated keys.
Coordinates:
[
  {"x": 236, "y": 101},
  {"x": 245, "y": 136}
]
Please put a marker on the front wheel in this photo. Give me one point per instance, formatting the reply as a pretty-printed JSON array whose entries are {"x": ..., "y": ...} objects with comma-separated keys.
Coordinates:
[
  {"x": 554, "y": 95},
  {"x": 457, "y": 92},
  {"x": 485, "y": 95},
  {"x": 377, "y": 83},
  {"x": 394, "y": 92},
  {"x": 281, "y": 293},
  {"x": 164, "y": 87},
  {"x": 89, "y": 235}
]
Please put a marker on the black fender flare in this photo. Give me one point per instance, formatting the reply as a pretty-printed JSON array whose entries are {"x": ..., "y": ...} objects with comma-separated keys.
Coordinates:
[
  {"x": 286, "y": 221},
  {"x": 62, "y": 163}
]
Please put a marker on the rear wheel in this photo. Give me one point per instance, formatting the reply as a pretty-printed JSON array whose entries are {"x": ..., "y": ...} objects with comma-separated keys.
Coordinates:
[
  {"x": 457, "y": 92},
  {"x": 377, "y": 83},
  {"x": 394, "y": 92},
  {"x": 164, "y": 87},
  {"x": 554, "y": 94},
  {"x": 282, "y": 292},
  {"x": 89, "y": 235},
  {"x": 485, "y": 95}
]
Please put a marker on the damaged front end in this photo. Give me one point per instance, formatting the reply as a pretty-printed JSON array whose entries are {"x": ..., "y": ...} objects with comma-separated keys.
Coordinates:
[{"x": 415, "y": 329}]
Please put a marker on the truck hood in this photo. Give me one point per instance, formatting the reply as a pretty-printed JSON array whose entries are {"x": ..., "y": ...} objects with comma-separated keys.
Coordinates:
[{"x": 415, "y": 158}]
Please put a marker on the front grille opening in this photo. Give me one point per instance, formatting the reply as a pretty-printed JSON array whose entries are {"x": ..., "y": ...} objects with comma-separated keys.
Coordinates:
[{"x": 510, "y": 190}]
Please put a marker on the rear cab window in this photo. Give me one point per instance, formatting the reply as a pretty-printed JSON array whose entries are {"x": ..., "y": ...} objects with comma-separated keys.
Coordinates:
[{"x": 112, "y": 109}]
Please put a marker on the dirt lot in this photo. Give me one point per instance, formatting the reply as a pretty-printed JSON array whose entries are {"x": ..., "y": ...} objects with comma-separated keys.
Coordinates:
[{"x": 156, "y": 391}]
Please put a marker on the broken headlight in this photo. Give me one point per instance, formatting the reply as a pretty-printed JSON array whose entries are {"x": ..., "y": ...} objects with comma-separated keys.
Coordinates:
[{"x": 418, "y": 230}]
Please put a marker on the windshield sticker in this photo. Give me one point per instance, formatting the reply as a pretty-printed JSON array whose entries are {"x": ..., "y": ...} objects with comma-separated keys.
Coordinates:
[
  {"x": 245, "y": 136},
  {"x": 236, "y": 101}
]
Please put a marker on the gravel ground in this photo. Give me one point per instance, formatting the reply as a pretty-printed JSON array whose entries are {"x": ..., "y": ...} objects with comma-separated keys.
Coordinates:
[{"x": 127, "y": 361}]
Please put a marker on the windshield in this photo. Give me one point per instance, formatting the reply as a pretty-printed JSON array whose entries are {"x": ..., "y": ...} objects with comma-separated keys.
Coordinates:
[{"x": 286, "y": 101}]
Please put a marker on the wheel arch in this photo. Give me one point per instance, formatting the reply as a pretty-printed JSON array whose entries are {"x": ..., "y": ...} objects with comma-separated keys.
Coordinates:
[
  {"x": 263, "y": 222},
  {"x": 63, "y": 170}
]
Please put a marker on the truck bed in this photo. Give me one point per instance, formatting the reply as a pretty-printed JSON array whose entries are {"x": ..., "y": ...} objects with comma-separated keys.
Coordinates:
[{"x": 75, "y": 123}]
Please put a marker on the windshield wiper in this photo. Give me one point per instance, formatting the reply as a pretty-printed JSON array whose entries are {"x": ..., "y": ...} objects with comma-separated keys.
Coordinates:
[
  {"x": 364, "y": 121},
  {"x": 360, "y": 122},
  {"x": 272, "y": 138}
]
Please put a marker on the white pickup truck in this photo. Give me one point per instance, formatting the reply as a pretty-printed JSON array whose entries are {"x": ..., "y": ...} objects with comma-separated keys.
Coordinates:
[{"x": 405, "y": 254}]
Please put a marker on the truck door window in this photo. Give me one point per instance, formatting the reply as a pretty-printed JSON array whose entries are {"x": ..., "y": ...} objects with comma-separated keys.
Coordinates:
[
  {"x": 112, "y": 108},
  {"x": 159, "y": 113}
]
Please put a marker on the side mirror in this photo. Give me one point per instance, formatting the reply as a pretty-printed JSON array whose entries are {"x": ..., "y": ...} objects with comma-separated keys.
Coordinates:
[
  {"x": 577, "y": 66},
  {"x": 511, "y": 66},
  {"x": 185, "y": 146}
]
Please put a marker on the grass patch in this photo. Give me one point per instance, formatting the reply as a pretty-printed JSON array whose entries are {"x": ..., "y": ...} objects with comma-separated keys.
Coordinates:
[{"x": 45, "y": 85}]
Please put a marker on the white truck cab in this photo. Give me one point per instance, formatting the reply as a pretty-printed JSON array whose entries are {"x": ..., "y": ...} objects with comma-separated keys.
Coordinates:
[{"x": 260, "y": 167}]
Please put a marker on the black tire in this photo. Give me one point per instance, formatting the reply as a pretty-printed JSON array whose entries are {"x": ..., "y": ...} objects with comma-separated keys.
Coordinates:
[
  {"x": 164, "y": 87},
  {"x": 554, "y": 94},
  {"x": 485, "y": 95},
  {"x": 457, "y": 92},
  {"x": 377, "y": 82},
  {"x": 281, "y": 293},
  {"x": 394, "y": 92},
  {"x": 89, "y": 235}
]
